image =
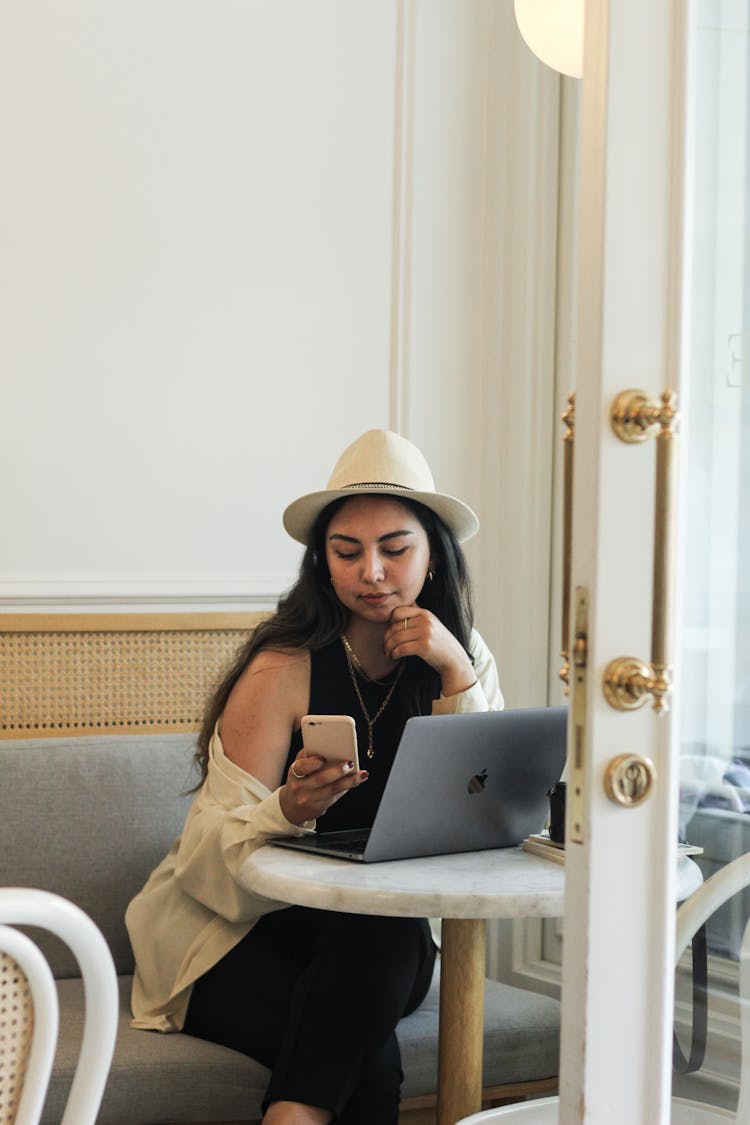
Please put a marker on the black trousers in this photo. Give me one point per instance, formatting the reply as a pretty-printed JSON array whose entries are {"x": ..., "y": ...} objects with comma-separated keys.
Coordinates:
[{"x": 315, "y": 996}]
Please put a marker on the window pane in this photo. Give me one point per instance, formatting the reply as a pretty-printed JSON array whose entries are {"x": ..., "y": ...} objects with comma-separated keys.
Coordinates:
[{"x": 715, "y": 696}]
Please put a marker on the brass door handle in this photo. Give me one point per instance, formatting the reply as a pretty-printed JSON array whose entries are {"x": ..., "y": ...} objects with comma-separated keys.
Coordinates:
[{"x": 628, "y": 681}]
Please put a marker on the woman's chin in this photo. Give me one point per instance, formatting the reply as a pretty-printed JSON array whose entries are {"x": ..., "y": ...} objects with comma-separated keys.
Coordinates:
[{"x": 374, "y": 614}]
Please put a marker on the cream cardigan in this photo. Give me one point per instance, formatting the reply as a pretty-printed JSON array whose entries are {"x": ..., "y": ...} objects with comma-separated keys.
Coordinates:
[{"x": 192, "y": 910}]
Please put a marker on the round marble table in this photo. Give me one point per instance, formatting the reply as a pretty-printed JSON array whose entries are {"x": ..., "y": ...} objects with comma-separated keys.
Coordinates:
[{"x": 464, "y": 890}]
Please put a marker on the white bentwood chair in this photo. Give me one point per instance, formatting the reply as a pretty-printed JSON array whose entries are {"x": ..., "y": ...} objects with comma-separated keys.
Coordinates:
[
  {"x": 29, "y": 1008},
  {"x": 690, "y": 917}
]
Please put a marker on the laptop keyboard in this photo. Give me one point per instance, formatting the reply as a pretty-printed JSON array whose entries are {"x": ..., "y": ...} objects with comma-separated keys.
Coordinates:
[
  {"x": 351, "y": 842},
  {"x": 347, "y": 842}
]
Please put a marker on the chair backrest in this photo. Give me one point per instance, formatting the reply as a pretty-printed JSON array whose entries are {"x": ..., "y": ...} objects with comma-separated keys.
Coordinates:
[
  {"x": 693, "y": 913},
  {"x": 26, "y": 1055},
  {"x": 28, "y": 1027}
]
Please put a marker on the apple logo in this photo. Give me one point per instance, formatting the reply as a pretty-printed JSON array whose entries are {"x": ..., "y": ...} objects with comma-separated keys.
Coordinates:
[{"x": 477, "y": 783}]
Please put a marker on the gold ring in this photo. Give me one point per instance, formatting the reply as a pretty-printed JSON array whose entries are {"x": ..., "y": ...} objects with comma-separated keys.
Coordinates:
[
  {"x": 299, "y": 776},
  {"x": 406, "y": 623}
]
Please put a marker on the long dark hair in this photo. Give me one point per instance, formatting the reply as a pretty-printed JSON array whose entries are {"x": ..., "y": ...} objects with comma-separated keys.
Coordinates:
[{"x": 310, "y": 616}]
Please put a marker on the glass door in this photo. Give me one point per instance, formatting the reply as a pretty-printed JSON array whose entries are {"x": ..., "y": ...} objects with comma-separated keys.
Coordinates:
[{"x": 714, "y": 810}]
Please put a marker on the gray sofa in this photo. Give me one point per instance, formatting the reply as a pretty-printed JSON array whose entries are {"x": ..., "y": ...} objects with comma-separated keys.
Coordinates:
[{"x": 89, "y": 818}]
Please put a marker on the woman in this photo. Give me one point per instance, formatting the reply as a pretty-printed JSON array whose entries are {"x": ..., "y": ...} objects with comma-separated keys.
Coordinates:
[{"x": 377, "y": 626}]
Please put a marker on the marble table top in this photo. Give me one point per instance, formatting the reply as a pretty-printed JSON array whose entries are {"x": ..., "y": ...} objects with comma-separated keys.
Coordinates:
[
  {"x": 491, "y": 884},
  {"x": 505, "y": 883}
]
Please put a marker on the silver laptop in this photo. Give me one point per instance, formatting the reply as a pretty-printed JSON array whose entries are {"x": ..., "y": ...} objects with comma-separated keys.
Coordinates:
[{"x": 458, "y": 783}]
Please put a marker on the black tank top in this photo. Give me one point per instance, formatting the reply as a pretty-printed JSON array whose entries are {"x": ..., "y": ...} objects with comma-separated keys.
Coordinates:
[{"x": 332, "y": 693}]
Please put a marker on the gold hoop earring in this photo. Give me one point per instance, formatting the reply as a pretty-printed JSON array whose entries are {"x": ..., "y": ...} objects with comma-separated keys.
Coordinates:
[{"x": 430, "y": 575}]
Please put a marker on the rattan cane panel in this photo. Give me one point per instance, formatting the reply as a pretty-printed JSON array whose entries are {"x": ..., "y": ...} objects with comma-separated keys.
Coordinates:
[
  {"x": 60, "y": 683},
  {"x": 16, "y": 1033}
]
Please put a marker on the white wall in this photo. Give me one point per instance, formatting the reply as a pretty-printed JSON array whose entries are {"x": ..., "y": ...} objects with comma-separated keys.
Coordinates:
[
  {"x": 195, "y": 281},
  {"x": 235, "y": 235}
]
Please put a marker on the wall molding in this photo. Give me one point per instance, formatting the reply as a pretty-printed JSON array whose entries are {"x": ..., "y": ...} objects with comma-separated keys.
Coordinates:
[
  {"x": 516, "y": 356},
  {"x": 403, "y": 183},
  {"x": 518, "y": 954},
  {"x": 189, "y": 591}
]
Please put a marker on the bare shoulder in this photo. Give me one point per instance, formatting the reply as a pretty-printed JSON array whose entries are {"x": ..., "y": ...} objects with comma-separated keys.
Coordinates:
[
  {"x": 284, "y": 662},
  {"x": 270, "y": 677},
  {"x": 264, "y": 708},
  {"x": 280, "y": 658}
]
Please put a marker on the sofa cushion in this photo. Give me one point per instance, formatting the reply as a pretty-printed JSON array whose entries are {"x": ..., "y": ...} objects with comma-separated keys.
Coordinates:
[
  {"x": 156, "y": 1077},
  {"x": 521, "y": 1037},
  {"x": 89, "y": 818}
]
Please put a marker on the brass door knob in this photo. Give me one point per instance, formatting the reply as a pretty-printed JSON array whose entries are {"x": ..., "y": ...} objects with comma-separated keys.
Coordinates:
[{"x": 629, "y": 779}]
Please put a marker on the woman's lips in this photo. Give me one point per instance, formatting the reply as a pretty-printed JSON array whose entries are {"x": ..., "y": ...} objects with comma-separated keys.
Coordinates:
[{"x": 374, "y": 599}]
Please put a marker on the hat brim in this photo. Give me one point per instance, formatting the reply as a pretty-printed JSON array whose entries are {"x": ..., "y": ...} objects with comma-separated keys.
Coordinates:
[{"x": 301, "y": 514}]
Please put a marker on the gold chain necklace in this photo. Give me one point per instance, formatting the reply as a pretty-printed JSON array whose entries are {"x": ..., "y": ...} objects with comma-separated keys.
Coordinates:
[
  {"x": 352, "y": 658},
  {"x": 370, "y": 721}
]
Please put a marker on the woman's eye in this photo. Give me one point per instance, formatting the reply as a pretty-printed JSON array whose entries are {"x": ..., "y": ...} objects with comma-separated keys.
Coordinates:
[
  {"x": 393, "y": 551},
  {"x": 341, "y": 555}
]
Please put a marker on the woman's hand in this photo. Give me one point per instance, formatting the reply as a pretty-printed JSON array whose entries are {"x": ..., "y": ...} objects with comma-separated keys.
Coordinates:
[
  {"x": 312, "y": 786},
  {"x": 414, "y": 631}
]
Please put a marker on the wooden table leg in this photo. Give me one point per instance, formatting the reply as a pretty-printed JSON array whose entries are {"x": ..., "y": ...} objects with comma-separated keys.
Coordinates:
[{"x": 461, "y": 1018}]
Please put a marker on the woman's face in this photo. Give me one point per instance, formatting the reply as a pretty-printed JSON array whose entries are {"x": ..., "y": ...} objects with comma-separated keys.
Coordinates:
[{"x": 378, "y": 555}]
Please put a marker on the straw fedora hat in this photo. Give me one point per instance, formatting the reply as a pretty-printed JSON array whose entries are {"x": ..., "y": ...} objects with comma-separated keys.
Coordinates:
[{"x": 381, "y": 462}]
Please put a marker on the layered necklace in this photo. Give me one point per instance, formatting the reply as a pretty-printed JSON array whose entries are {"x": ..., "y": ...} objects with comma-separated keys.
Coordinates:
[{"x": 355, "y": 668}]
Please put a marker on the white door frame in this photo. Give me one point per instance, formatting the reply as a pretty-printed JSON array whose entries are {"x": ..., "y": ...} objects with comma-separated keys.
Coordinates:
[{"x": 620, "y": 898}]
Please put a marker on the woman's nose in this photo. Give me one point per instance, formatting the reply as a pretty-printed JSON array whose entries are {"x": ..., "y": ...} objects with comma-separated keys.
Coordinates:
[{"x": 372, "y": 567}]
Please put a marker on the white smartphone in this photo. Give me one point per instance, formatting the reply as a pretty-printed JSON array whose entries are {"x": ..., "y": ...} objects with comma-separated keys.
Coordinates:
[{"x": 333, "y": 737}]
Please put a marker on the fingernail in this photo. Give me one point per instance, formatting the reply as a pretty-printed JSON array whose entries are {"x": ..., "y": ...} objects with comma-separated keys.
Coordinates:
[
  {"x": 348, "y": 767},
  {"x": 363, "y": 774}
]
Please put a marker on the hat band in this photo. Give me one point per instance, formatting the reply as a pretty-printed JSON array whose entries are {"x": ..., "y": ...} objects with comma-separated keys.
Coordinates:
[{"x": 378, "y": 484}]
